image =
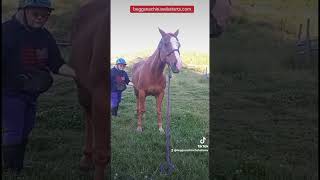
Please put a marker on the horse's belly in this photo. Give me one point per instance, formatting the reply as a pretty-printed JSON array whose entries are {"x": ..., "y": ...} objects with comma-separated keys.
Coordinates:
[{"x": 153, "y": 91}]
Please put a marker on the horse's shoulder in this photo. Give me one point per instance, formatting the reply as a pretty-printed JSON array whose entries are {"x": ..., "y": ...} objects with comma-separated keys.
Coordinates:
[{"x": 89, "y": 41}]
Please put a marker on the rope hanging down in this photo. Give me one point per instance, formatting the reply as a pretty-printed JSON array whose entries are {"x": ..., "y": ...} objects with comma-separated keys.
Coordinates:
[{"x": 167, "y": 167}]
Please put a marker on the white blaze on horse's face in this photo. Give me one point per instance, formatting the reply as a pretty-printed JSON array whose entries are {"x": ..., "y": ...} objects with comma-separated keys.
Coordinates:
[
  {"x": 176, "y": 45},
  {"x": 170, "y": 50}
]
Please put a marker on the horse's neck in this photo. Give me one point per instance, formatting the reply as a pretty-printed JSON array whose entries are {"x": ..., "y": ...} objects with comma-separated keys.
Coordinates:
[{"x": 157, "y": 66}]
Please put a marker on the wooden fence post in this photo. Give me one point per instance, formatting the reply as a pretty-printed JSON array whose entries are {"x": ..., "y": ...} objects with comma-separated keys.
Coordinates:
[
  {"x": 306, "y": 46},
  {"x": 206, "y": 73},
  {"x": 309, "y": 49},
  {"x": 299, "y": 33}
]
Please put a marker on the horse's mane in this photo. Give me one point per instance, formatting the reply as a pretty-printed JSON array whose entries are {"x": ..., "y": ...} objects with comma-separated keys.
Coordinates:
[{"x": 155, "y": 53}]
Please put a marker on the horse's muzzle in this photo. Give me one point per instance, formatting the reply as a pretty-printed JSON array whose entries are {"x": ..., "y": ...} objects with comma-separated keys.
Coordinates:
[{"x": 174, "y": 69}]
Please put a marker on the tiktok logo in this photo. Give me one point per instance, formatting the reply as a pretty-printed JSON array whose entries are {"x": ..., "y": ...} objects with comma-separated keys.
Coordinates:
[{"x": 202, "y": 140}]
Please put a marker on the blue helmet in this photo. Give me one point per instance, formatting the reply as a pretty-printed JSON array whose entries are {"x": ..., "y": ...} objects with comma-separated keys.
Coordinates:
[
  {"x": 35, "y": 3},
  {"x": 121, "y": 61}
]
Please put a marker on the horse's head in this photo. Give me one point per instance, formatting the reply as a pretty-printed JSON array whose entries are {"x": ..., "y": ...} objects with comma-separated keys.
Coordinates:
[
  {"x": 220, "y": 13},
  {"x": 169, "y": 50}
]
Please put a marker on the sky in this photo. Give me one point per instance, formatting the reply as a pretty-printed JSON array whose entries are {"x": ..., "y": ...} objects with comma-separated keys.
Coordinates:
[{"x": 134, "y": 32}]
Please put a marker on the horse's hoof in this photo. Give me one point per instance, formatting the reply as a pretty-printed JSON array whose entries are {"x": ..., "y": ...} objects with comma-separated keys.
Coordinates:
[
  {"x": 139, "y": 129},
  {"x": 99, "y": 174},
  {"x": 161, "y": 130}
]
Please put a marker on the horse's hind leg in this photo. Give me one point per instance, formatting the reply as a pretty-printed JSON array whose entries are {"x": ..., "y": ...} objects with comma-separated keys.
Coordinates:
[
  {"x": 101, "y": 130},
  {"x": 159, "y": 99},
  {"x": 141, "y": 109}
]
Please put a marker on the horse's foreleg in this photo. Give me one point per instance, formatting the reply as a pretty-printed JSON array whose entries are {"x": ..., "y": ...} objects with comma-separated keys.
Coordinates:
[
  {"x": 141, "y": 109},
  {"x": 101, "y": 130},
  {"x": 137, "y": 98},
  {"x": 136, "y": 93},
  {"x": 159, "y": 99},
  {"x": 86, "y": 162}
]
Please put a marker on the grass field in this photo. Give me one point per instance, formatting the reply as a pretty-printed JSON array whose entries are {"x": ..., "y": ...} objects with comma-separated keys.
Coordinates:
[
  {"x": 282, "y": 14},
  {"x": 264, "y": 99},
  {"x": 264, "y": 109}
]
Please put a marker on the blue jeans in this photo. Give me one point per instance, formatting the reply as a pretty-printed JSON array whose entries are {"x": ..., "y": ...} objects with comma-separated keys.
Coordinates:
[
  {"x": 115, "y": 98},
  {"x": 18, "y": 116}
]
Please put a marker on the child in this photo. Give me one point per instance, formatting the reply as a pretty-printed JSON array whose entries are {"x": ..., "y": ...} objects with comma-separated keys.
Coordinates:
[{"x": 119, "y": 82}]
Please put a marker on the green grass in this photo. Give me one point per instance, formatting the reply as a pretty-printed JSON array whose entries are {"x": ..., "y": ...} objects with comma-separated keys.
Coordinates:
[
  {"x": 264, "y": 109},
  {"x": 264, "y": 126},
  {"x": 264, "y": 99},
  {"x": 286, "y": 13}
]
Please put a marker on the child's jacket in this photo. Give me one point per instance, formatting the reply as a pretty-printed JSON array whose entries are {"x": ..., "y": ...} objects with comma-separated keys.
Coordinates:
[{"x": 119, "y": 80}]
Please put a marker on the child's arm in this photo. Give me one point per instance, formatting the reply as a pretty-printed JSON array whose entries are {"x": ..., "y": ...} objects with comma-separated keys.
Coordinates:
[{"x": 127, "y": 80}]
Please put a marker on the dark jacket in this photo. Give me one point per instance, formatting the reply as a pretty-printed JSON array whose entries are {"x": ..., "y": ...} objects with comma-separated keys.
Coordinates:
[
  {"x": 24, "y": 50},
  {"x": 118, "y": 78}
]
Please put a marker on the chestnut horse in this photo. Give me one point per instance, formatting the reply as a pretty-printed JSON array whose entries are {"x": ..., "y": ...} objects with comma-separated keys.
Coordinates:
[
  {"x": 148, "y": 78},
  {"x": 90, "y": 60}
]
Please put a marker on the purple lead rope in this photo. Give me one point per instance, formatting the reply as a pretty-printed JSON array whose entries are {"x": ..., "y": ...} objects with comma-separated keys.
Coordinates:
[{"x": 167, "y": 167}]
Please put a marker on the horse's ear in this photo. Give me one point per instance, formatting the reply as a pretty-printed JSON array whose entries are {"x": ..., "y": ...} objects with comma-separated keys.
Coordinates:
[
  {"x": 176, "y": 33},
  {"x": 162, "y": 32}
]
